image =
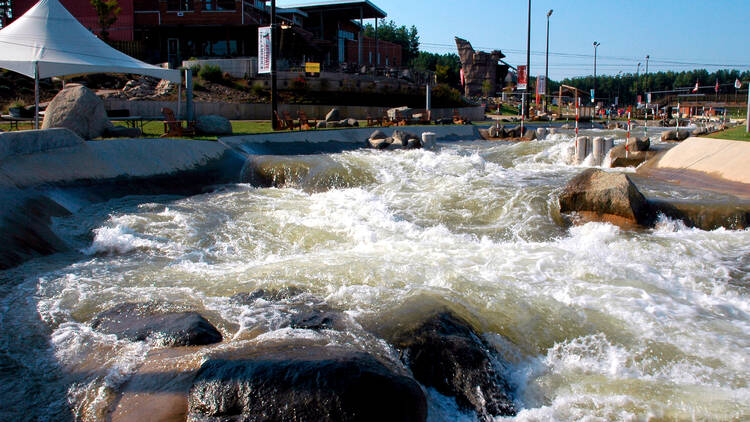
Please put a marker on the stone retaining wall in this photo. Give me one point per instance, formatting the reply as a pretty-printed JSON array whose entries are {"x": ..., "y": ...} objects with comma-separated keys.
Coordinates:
[{"x": 234, "y": 111}]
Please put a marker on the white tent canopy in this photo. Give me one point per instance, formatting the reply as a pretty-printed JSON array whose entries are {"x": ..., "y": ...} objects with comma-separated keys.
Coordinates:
[
  {"x": 48, "y": 41},
  {"x": 49, "y": 37}
]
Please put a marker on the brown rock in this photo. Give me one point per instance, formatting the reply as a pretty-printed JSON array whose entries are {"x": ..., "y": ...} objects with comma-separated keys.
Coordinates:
[{"x": 601, "y": 194}]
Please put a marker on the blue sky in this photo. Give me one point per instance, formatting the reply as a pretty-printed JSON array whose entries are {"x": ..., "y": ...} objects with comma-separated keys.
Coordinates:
[{"x": 695, "y": 34}]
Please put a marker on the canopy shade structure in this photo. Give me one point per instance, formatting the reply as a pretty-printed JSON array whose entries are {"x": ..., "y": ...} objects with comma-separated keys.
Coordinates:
[{"x": 49, "y": 37}]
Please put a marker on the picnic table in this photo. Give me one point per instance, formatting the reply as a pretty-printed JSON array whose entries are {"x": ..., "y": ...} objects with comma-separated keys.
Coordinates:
[{"x": 15, "y": 119}]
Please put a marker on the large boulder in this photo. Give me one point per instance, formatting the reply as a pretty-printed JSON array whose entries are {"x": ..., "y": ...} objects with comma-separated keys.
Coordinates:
[
  {"x": 303, "y": 381},
  {"x": 213, "y": 125},
  {"x": 445, "y": 353},
  {"x": 675, "y": 135},
  {"x": 139, "y": 321},
  {"x": 636, "y": 144},
  {"x": 333, "y": 115},
  {"x": 78, "y": 109},
  {"x": 603, "y": 196}
]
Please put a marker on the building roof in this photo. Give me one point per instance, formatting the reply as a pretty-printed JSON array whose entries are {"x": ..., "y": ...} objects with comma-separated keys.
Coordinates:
[{"x": 350, "y": 8}]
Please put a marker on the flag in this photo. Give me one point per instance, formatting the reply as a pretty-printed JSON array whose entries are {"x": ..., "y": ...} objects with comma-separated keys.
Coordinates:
[
  {"x": 461, "y": 73},
  {"x": 716, "y": 88},
  {"x": 737, "y": 84},
  {"x": 696, "y": 87}
]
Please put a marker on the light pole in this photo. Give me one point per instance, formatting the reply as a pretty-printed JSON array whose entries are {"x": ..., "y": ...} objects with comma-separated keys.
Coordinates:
[
  {"x": 637, "y": 75},
  {"x": 593, "y": 97},
  {"x": 274, "y": 94},
  {"x": 528, "y": 63},
  {"x": 645, "y": 84},
  {"x": 546, "y": 65}
]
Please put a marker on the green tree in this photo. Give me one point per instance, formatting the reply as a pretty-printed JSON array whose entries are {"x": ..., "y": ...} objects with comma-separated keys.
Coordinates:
[
  {"x": 407, "y": 38},
  {"x": 445, "y": 66},
  {"x": 106, "y": 11}
]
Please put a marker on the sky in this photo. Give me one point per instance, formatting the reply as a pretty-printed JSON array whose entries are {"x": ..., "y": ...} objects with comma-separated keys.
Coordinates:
[{"x": 677, "y": 35}]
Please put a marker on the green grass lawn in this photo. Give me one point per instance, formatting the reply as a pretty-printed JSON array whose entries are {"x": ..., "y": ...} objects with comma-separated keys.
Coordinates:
[{"x": 734, "y": 134}]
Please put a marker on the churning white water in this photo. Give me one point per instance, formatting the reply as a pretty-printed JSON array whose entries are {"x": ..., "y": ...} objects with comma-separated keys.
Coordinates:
[{"x": 597, "y": 323}]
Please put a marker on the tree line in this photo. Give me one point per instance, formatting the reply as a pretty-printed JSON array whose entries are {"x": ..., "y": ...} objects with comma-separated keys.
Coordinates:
[{"x": 625, "y": 86}]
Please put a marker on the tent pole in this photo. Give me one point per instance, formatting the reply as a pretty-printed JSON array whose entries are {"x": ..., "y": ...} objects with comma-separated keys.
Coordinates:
[{"x": 36, "y": 95}]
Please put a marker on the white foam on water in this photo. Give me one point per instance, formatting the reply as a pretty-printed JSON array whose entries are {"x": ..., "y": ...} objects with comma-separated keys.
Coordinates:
[{"x": 597, "y": 323}]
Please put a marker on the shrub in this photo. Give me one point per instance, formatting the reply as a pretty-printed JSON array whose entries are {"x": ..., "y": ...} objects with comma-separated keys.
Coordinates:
[
  {"x": 195, "y": 69},
  {"x": 299, "y": 83},
  {"x": 211, "y": 73}
]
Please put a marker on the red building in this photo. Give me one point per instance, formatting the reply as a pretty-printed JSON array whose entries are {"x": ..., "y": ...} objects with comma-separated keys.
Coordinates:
[
  {"x": 329, "y": 32},
  {"x": 122, "y": 30}
]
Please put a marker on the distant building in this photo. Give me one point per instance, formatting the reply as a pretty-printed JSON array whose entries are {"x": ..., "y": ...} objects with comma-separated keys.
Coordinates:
[{"x": 328, "y": 32}]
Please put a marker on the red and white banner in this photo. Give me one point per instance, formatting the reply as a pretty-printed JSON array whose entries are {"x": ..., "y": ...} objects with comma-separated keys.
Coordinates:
[
  {"x": 461, "y": 74},
  {"x": 697, "y": 86},
  {"x": 716, "y": 88},
  {"x": 264, "y": 49},
  {"x": 523, "y": 78}
]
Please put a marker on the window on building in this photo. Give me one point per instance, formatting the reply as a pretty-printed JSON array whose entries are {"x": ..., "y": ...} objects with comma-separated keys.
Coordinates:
[
  {"x": 343, "y": 36},
  {"x": 370, "y": 57},
  {"x": 225, "y": 5},
  {"x": 180, "y": 5},
  {"x": 208, "y": 5},
  {"x": 260, "y": 4}
]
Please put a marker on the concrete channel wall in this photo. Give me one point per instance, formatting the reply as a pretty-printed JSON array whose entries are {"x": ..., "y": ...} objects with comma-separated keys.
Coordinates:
[{"x": 235, "y": 111}]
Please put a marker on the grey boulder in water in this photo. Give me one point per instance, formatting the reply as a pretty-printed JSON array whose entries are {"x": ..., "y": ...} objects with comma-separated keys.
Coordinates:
[
  {"x": 301, "y": 380},
  {"x": 139, "y": 321},
  {"x": 445, "y": 353}
]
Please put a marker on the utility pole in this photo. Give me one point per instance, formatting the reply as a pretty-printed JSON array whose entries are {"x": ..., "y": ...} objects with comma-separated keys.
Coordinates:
[
  {"x": 528, "y": 64},
  {"x": 274, "y": 93},
  {"x": 546, "y": 66},
  {"x": 593, "y": 97}
]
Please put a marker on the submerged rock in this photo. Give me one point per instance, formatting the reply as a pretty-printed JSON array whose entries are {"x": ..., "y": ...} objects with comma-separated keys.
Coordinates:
[
  {"x": 295, "y": 381},
  {"x": 600, "y": 195},
  {"x": 447, "y": 354},
  {"x": 138, "y": 321}
]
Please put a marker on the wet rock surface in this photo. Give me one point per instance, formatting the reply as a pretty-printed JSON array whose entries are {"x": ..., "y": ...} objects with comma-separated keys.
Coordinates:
[
  {"x": 601, "y": 194},
  {"x": 447, "y": 354},
  {"x": 139, "y": 321},
  {"x": 303, "y": 382}
]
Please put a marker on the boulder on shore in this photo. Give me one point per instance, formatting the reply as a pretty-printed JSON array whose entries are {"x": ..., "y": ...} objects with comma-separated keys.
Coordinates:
[
  {"x": 675, "y": 135},
  {"x": 78, "y": 109},
  {"x": 213, "y": 125},
  {"x": 139, "y": 321},
  {"x": 445, "y": 353},
  {"x": 604, "y": 196},
  {"x": 305, "y": 382}
]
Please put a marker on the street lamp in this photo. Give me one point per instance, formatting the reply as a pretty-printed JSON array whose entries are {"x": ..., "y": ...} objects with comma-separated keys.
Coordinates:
[
  {"x": 528, "y": 63},
  {"x": 593, "y": 97},
  {"x": 637, "y": 75},
  {"x": 274, "y": 93},
  {"x": 546, "y": 66},
  {"x": 645, "y": 83}
]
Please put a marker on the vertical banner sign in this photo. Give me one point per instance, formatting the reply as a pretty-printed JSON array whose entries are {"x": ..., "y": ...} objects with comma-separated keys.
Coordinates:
[
  {"x": 648, "y": 98},
  {"x": 593, "y": 95},
  {"x": 264, "y": 49},
  {"x": 523, "y": 78},
  {"x": 541, "y": 87},
  {"x": 640, "y": 100}
]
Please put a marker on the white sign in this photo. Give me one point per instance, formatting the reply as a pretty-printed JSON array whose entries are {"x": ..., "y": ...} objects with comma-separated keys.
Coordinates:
[
  {"x": 264, "y": 49},
  {"x": 648, "y": 98}
]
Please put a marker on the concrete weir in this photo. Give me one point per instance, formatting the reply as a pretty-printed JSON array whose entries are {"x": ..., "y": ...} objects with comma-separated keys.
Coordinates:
[{"x": 36, "y": 166}]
